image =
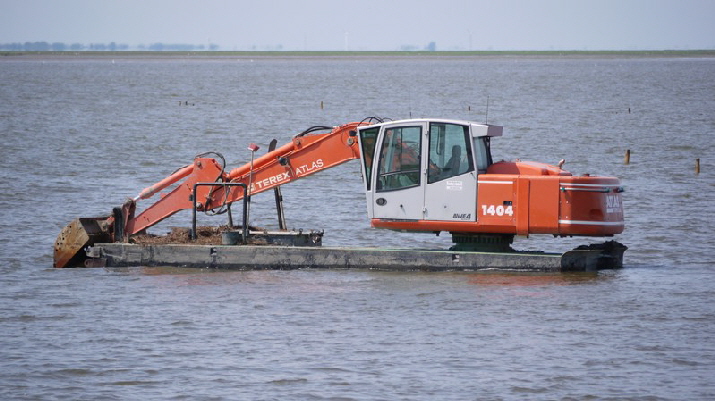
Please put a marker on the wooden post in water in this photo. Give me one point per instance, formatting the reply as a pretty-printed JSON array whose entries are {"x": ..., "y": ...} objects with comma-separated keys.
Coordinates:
[
  {"x": 697, "y": 166},
  {"x": 627, "y": 159},
  {"x": 321, "y": 105}
]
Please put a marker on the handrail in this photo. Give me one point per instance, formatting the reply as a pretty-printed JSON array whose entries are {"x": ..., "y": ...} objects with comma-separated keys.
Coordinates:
[
  {"x": 244, "y": 233},
  {"x": 601, "y": 190}
]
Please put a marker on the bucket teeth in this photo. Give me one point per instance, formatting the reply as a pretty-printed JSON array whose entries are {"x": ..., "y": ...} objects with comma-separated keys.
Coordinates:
[{"x": 76, "y": 236}]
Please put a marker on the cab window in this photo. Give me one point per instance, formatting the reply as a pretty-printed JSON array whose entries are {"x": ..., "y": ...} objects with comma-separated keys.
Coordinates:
[
  {"x": 399, "y": 165},
  {"x": 368, "y": 138},
  {"x": 450, "y": 153},
  {"x": 484, "y": 158}
]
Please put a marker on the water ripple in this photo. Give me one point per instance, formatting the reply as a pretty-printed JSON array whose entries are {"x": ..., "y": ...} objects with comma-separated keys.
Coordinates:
[{"x": 88, "y": 134}]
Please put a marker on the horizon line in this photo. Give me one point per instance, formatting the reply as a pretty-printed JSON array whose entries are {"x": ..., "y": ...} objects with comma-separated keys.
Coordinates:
[{"x": 708, "y": 52}]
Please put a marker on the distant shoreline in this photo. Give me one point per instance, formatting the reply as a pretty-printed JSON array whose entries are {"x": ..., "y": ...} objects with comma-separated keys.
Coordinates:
[{"x": 338, "y": 54}]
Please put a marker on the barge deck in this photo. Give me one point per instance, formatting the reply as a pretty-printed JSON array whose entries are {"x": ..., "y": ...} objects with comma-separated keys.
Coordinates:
[{"x": 263, "y": 257}]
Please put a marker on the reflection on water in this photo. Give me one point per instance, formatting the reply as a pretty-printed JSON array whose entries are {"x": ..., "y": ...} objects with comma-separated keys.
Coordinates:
[{"x": 530, "y": 279}]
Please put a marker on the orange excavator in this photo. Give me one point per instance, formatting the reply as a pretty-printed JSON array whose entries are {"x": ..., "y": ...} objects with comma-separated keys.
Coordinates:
[{"x": 419, "y": 175}]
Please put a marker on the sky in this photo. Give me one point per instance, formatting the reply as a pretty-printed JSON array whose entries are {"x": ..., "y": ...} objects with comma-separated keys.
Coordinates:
[{"x": 367, "y": 24}]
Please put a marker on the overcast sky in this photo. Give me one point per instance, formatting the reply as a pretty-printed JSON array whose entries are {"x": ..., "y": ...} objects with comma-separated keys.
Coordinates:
[{"x": 367, "y": 24}]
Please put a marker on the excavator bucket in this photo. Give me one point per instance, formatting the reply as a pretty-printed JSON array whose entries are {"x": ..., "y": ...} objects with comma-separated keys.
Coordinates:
[{"x": 76, "y": 236}]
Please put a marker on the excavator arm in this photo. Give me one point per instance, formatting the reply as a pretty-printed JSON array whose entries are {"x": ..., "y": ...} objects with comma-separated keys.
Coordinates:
[{"x": 306, "y": 154}]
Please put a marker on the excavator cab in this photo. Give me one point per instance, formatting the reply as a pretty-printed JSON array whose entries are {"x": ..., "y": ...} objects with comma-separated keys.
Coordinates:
[
  {"x": 422, "y": 169},
  {"x": 433, "y": 175}
]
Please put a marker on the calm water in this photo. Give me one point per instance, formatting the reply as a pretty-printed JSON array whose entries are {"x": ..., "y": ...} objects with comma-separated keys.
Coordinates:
[{"x": 81, "y": 135}]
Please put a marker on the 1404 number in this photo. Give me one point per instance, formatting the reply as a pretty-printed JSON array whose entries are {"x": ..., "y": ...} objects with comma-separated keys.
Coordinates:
[{"x": 499, "y": 210}]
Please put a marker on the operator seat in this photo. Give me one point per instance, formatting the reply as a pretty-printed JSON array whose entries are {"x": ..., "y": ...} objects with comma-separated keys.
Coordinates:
[{"x": 451, "y": 168}]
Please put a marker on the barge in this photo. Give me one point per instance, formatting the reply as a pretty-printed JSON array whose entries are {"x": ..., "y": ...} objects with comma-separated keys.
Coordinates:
[{"x": 289, "y": 251}]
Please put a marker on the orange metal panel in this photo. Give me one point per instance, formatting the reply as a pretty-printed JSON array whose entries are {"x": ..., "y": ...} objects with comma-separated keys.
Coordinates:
[
  {"x": 496, "y": 203},
  {"x": 590, "y": 206},
  {"x": 543, "y": 205},
  {"x": 438, "y": 226},
  {"x": 523, "y": 208}
]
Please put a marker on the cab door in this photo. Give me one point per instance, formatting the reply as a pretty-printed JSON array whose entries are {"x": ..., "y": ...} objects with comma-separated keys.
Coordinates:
[
  {"x": 450, "y": 193},
  {"x": 397, "y": 191}
]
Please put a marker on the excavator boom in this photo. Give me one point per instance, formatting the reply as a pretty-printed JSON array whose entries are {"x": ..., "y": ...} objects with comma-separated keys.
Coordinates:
[{"x": 306, "y": 154}]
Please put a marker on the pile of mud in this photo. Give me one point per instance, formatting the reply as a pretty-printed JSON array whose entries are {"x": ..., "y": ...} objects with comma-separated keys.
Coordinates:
[{"x": 180, "y": 235}]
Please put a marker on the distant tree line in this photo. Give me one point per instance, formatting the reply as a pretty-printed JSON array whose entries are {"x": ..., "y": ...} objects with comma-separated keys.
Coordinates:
[
  {"x": 112, "y": 47},
  {"x": 431, "y": 47}
]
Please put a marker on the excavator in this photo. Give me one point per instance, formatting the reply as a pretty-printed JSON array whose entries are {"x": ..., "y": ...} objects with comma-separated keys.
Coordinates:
[{"x": 419, "y": 175}]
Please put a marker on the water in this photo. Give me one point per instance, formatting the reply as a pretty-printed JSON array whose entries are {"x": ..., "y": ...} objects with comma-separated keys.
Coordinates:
[{"x": 81, "y": 135}]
